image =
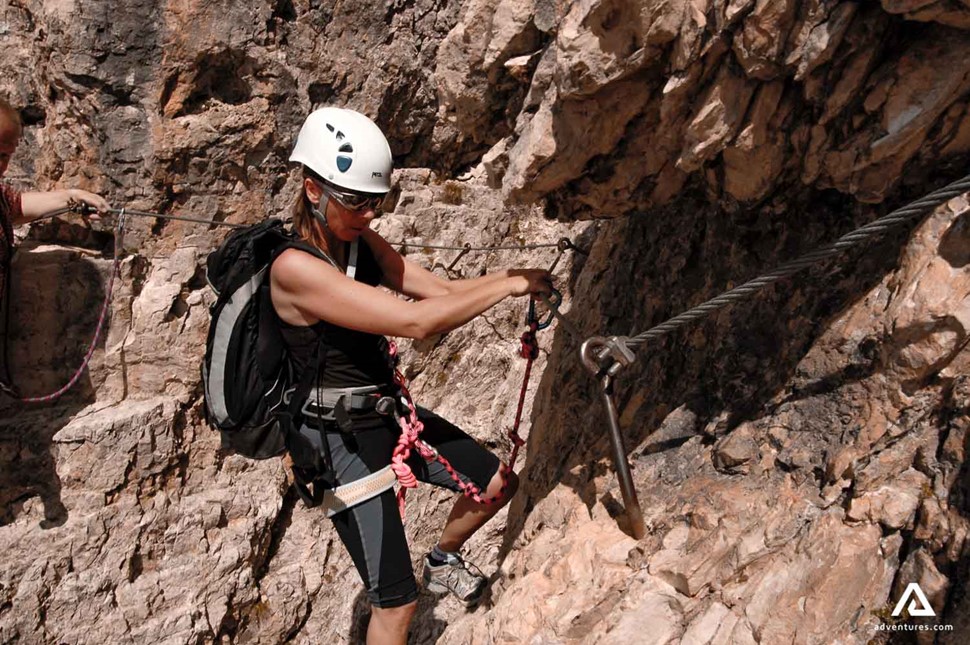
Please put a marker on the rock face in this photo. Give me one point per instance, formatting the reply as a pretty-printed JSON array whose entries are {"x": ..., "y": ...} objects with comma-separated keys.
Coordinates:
[{"x": 800, "y": 458}]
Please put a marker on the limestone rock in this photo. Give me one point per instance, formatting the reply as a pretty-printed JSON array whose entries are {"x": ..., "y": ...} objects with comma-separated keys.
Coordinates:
[
  {"x": 948, "y": 13},
  {"x": 787, "y": 451},
  {"x": 893, "y": 506},
  {"x": 733, "y": 453},
  {"x": 717, "y": 119}
]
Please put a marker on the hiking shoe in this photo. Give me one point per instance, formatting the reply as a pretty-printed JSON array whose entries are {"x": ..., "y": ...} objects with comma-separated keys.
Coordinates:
[{"x": 454, "y": 576}]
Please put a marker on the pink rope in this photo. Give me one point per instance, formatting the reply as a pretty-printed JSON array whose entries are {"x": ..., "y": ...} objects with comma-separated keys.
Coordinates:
[
  {"x": 115, "y": 270},
  {"x": 411, "y": 428}
]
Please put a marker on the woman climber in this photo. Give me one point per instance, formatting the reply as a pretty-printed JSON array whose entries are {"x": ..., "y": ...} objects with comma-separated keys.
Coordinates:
[
  {"x": 331, "y": 311},
  {"x": 19, "y": 208}
]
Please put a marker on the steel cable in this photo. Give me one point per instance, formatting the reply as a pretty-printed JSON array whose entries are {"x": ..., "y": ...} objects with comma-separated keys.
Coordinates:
[
  {"x": 862, "y": 234},
  {"x": 403, "y": 244},
  {"x": 510, "y": 247}
]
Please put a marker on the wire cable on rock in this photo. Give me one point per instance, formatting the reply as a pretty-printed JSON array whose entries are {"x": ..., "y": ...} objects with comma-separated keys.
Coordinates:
[
  {"x": 84, "y": 209},
  {"x": 847, "y": 241},
  {"x": 605, "y": 357}
]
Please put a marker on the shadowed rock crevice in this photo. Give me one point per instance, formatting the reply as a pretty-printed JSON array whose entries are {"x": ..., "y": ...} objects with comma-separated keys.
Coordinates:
[
  {"x": 800, "y": 457},
  {"x": 746, "y": 366},
  {"x": 222, "y": 77}
]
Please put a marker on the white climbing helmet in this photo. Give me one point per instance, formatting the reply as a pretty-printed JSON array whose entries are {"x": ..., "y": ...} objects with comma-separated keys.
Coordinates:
[{"x": 345, "y": 148}]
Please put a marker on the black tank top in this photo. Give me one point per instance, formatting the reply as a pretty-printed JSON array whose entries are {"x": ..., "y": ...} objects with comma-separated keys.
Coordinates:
[{"x": 350, "y": 358}]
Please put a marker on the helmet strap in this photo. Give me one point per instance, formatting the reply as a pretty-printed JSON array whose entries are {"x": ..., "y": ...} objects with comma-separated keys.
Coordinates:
[{"x": 320, "y": 213}]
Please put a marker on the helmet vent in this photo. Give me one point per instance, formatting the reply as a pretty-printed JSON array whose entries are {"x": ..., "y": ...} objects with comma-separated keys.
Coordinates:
[
  {"x": 340, "y": 135},
  {"x": 343, "y": 163},
  {"x": 346, "y": 148}
]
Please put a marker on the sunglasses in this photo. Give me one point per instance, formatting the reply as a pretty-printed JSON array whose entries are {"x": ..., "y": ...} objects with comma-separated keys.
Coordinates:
[{"x": 354, "y": 201}]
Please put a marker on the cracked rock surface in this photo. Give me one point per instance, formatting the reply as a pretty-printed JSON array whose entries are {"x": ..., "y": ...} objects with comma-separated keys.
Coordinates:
[{"x": 800, "y": 458}]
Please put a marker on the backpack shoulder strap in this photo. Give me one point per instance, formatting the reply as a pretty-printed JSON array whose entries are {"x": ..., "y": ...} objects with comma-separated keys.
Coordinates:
[
  {"x": 306, "y": 247},
  {"x": 294, "y": 243}
]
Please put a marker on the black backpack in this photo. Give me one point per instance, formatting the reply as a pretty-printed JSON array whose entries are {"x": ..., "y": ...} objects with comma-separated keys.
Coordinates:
[{"x": 251, "y": 393}]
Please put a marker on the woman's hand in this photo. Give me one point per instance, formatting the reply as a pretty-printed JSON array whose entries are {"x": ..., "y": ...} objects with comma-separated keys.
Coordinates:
[
  {"x": 530, "y": 281},
  {"x": 97, "y": 202}
]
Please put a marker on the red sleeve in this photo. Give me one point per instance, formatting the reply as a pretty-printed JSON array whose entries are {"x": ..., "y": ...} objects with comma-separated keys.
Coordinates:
[{"x": 11, "y": 210}]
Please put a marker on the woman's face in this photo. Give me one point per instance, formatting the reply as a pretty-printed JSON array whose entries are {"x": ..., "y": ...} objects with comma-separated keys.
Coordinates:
[
  {"x": 9, "y": 139},
  {"x": 346, "y": 223}
]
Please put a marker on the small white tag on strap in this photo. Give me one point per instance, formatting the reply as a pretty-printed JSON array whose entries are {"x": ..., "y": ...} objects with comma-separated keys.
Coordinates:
[{"x": 352, "y": 263}]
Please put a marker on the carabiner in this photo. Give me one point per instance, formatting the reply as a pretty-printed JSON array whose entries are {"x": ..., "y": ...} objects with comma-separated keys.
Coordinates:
[{"x": 555, "y": 298}]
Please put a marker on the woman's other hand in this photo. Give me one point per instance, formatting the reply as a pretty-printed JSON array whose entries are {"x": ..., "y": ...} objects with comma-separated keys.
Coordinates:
[{"x": 530, "y": 281}]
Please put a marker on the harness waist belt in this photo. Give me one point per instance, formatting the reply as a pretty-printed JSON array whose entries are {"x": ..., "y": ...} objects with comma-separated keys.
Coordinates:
[
  {"x": 349, "y": 398},
  {"x": 343, "y": 497}
]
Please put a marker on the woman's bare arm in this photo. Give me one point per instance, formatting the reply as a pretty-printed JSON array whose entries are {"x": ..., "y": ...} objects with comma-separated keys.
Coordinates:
[
  {"x": 306, "y": 289},
  {"x": 411, "y": 279},
  {"x": 35, "y": 204}
]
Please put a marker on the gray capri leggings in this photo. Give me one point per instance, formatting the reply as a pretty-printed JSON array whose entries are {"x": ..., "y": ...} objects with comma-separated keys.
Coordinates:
[{"x": 372, "y": 531}]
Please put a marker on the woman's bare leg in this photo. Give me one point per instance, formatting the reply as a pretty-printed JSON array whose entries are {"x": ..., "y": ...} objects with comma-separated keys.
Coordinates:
[
  {"x": 389, "y": 626},
  {"x": 467, "y": 516}
]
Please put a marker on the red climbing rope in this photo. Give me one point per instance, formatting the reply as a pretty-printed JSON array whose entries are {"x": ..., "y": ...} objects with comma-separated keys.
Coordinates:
[
  {"x": 102, "y": 318},
  {"x": 530, "y": 352}
]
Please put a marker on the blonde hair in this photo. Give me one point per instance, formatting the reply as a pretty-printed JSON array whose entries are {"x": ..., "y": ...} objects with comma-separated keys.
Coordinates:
[{"x": 10, "y": 115}]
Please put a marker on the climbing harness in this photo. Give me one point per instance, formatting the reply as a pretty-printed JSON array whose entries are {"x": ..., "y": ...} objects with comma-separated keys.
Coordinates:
[
  {"x": 360, "y": 490},
  {"x": 11, "y": 391}
]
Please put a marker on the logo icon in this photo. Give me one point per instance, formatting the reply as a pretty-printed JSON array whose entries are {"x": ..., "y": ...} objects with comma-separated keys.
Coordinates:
[
  {"x": 921, "y": 609},
  {"x": 376, "y": 174}
]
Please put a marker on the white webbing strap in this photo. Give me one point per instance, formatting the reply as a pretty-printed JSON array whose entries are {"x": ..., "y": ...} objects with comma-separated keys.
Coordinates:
[
  {"x": 348, "y": 495},
  {"x": 352, "y": 262}
]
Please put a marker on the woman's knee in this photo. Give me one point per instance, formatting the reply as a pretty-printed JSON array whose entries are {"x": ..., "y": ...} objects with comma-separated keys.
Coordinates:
[
  {"x": 504, "y": 483},
  {"x": 512, "y": 486}
]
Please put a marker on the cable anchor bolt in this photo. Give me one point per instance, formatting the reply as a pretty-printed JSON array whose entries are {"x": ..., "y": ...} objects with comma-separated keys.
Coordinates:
[
  {"x": 460, "y": 255},
  {"x": 607, "y": 356}
]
